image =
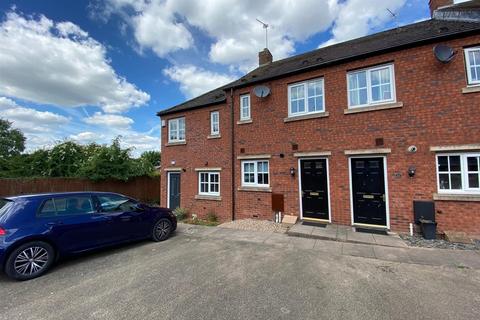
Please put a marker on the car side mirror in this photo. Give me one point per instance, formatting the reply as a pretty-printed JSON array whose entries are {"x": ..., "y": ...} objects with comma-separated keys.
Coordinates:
[{"x": 139, "y": 207}]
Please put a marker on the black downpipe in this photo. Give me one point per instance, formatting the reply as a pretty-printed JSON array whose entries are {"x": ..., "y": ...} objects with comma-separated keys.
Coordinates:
[{"x": 232, "y": 150}]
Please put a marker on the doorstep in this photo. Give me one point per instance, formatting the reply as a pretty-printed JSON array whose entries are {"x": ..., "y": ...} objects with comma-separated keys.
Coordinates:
[{"x": 341, "y": 233}]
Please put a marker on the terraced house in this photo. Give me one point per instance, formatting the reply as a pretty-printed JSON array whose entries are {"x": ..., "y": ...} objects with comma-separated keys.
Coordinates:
[{"x": 351, "y": 133}]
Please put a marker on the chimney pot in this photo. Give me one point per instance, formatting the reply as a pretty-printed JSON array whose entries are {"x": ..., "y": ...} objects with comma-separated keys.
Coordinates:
[
  {"x": 265, "y": 57},
  {"x": 435, "y": 4}
]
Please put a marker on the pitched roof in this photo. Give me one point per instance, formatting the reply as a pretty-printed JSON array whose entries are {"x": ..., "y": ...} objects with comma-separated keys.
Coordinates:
[{"x": 394, "y": 39}]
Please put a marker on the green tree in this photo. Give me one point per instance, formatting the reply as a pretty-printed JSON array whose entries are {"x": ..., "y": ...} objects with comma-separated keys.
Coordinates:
[
  {"x": 65, "y": 159},
  {"x": 110, "y": 162},
  {"x": 147, "y": 163},
  {"x": 12, "y": 141}
]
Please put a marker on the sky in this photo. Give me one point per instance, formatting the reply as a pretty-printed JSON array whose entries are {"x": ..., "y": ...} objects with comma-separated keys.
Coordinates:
[{"x": 90, "y": 70}]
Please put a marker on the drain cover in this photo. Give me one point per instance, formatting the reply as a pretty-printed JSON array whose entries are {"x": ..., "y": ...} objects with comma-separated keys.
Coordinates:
[
  {"x": 314, "y": 224},
  {"x": 374, "y": 231}
]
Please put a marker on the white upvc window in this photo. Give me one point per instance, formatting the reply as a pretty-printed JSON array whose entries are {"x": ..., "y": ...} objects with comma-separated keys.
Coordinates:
[
  {"x": 255, "y": 173},
  {"x": 214, "y": 123},
  {"x": 371, "y": 86},
  {"x": 472, "y": 60},
  {"x": 209, "y": 183},
  {"x": 306, "y": 97},
  {"x": 176, "y": 130},
  {"x": 458, "y": 173},
  {"x": 245, "y": 107}
]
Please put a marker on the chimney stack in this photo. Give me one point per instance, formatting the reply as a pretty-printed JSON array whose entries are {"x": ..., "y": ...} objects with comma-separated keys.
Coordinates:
[
  {"x": 435, "y": 4},
  {"x": 265, "y": 57}
]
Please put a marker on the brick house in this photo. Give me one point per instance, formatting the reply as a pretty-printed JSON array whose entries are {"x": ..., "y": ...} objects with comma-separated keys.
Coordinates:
[{"x": 351, "y": 133}]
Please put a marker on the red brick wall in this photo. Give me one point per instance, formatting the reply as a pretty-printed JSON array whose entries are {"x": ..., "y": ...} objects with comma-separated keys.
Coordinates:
[
  {"x": 435, "y": 112},
  {"x": 200, "y": 152}
]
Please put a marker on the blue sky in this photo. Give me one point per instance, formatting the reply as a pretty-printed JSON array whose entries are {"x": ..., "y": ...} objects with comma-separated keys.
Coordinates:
[{"x": 93, "y": 70}]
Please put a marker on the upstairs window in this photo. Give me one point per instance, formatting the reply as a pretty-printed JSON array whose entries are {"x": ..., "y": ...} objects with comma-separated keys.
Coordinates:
[
  {"x": 245, "y": 107},
  {"x": 458, "y": 173},
  {"x": 306, "y": 97},
  {"x": 371, "y": 86},
  {"x": 255, "y": 173},
  {"x": 214, "y": 123},
  {"x": 176, "y": 130},
  {"x": 209, "y": 183},
  {"x": 472, "y": 59}
]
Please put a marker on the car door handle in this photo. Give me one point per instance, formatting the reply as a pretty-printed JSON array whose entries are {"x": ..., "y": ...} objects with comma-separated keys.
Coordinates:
[{"x": 54, "y": 223}]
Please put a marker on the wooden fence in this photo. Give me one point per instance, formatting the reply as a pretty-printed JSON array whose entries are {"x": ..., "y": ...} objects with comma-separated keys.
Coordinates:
[{"x": 143, "y": 188}]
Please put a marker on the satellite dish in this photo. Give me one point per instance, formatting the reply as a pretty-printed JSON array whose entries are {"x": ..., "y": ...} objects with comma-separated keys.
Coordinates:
[
  {"x": 443, "y": 53},
  {"x": 261, "y": 91}
]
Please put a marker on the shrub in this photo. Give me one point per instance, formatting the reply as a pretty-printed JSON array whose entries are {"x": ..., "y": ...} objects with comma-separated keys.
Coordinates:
[
  {"x": 212, "y": 216},
  {"x": 181, "y": 213}
]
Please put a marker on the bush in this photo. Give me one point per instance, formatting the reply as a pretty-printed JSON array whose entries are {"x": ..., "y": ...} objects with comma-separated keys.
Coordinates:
[
  {"x": 181, "y": 213},
  {"x": 212, "y": 216}
]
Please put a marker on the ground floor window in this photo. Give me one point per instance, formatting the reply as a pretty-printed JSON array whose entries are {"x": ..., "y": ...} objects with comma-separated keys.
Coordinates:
[
  {"x": 255, "y": 173},
  {"x": 209, "y": 183},
  {"x": 458, "y": 173}
]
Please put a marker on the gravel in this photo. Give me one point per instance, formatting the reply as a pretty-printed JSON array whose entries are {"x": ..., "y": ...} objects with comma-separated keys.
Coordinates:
[
  {"x": 255, "y": 225},
  {"x": 417, "y": 241}
]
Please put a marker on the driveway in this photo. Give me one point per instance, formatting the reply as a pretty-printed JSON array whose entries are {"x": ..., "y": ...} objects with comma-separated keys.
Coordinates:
[{"x": 213, "y": 273}]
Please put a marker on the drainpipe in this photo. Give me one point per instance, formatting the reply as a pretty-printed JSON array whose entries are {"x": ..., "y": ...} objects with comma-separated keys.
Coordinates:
[{"x": 232, "y": 150}]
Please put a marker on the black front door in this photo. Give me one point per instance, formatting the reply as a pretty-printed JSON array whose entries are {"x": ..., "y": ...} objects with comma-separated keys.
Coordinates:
[
  {"x": 314, "y": 188},
  {"x": 174, "y": 190},
  {"x": 368, "y": 188}
]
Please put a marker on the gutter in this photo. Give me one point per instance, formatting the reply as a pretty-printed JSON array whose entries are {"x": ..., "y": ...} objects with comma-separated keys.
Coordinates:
[{"x": 232, "y": 150}]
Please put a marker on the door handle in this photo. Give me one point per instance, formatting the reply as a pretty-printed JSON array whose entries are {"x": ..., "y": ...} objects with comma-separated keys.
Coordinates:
[{"x": 54, "y": 223}]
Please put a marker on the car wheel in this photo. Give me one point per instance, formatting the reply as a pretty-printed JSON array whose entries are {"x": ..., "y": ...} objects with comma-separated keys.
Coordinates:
[
  {"x": 162, "y": 230},
  {"x": 30, "y": 260}
]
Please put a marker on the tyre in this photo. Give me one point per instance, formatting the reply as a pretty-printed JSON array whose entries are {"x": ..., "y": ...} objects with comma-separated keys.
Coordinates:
[
  {"x": 162, "y": 230},
  {"x": 30, "y": 260}
]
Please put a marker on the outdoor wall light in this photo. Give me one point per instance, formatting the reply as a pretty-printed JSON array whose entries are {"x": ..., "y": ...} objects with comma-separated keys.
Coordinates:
[
  {"x": 173, "y": 162},
  {"x": 292, "y": 171},
  {"x": 411, "y": 171}
]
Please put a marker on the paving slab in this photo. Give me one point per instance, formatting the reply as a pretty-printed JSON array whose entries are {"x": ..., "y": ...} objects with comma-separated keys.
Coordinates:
[
  {"x": 300, "y": 230},
  {"x": 324, "y": 233},
  {"x": 302, "y": 243},
  {"x": 392, "y": 254},
  {"x": 326, "y": 246},
  {"x": 433, "y": 257},
  {"x": 358, "y": 250},
  {"x": 389, "y": 241},
  {"x": 360, "y": 237},
  {"x": 342, "y": 233}
]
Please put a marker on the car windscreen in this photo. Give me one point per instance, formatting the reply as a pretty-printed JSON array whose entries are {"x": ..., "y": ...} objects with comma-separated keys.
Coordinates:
[{"x": 5, "y": 205}]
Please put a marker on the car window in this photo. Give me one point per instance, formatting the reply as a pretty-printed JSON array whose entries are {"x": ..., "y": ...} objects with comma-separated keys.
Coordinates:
[
  {"x": 116, "y": 203},
  {"x": 76, "y": 205},
  {"x": 5, "y": 205}
]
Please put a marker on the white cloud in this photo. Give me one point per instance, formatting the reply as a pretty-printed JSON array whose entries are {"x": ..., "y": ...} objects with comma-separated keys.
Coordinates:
[
  {"x": 59, "y": 64},
  {"x": 195, "y": 81},
  {"x": 237, "y": 37},
  {"x": 86, "y": 137},
  {"x": 356, "y": 19},
  {"x": 29, "y": 120},
  {"x": 109, "y": 121}
]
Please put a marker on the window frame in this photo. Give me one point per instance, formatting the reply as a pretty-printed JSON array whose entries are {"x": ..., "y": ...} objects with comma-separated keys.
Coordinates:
[
  {"x": 463, "y": 173},
  {"x": 255, "y": 173},
  {"x": 38, "y": 212},
  {"x": 369, "y": 71},
  {"x": 209, "y": 183},
  {"x": 177, "y": 121},
  {"x": 470, "y": 81},
  {"x": 242, "y": 118},
  {"x": 305, "y": 97},
  {"x": 212, "y": 123}
]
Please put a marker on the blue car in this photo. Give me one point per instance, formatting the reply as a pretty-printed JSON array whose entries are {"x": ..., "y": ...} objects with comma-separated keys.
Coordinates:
[{"x": 36, "y": 230}]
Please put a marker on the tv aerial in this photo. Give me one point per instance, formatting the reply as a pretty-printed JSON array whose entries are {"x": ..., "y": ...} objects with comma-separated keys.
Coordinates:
[{"x": 265, "y": 26}]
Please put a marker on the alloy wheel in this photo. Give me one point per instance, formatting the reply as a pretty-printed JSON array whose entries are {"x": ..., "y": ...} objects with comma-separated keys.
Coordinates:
[{"x": 31, "y": 261}]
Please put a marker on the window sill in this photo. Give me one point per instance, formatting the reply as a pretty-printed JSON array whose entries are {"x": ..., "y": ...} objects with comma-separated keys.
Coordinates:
[
  {"x": 214, "y": 136},
  {"x": 180, "y": 143},
  {"x": 255, "y": 189},
  {"x": 307, "y": 116},
  {"x": 208, "y": 197},
  {"x": 456, "y": 197},
  {"x": 244, "y": 121},
  {"x": 471, "y": 89},
  {"x": 374, "y": 108}
]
